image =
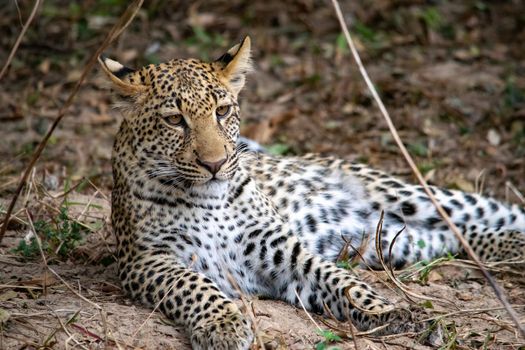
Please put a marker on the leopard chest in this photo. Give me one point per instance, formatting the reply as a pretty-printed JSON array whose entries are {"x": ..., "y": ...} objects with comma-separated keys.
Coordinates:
[{"x": 209, "y": 240}]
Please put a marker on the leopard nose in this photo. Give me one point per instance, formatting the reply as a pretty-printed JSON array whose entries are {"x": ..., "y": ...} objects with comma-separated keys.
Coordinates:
[{"x": 212, "y": 167}]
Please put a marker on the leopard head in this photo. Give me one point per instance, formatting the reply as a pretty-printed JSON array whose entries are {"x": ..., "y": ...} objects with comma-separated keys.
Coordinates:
[{"x": 182, "y": 116}]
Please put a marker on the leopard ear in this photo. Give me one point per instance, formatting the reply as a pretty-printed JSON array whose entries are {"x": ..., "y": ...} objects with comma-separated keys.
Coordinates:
[
  {"x": 120, "y": 76},
  {"x": 235, "y": 64}
]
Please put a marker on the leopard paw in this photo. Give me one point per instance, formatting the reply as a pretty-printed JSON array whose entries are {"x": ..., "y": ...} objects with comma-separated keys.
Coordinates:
[
  {"x": 231, "y": 332},
  {"x": 370, "y": 311},
  {"x": 366, "y": 300},
  {"x": 400, "y": 320}
]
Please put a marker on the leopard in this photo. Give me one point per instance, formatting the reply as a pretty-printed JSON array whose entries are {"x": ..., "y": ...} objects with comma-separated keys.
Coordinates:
[{"x": 201, "y": 219}]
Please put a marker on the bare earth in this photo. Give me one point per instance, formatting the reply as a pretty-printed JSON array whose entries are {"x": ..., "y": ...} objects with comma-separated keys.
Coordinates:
[{"x": 451, "y": 74}]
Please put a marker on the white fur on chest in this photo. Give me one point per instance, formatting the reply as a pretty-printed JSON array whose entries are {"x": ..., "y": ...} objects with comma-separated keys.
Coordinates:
[{"x": 214, "y": 250}]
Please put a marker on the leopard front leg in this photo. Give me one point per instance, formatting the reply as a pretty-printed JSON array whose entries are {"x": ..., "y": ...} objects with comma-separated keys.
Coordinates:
[
  {"x": 296, "y": 273},
  {"x": 189, "y": 298}
]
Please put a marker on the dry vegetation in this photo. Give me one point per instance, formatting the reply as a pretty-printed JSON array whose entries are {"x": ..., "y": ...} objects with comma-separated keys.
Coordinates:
[{"x": 451, "y": 73}]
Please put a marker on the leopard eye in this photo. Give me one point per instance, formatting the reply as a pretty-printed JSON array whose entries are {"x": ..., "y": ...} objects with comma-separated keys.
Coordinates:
[
  {"x": 222, "y": 111},
  {"x": 174, "y": 120}
]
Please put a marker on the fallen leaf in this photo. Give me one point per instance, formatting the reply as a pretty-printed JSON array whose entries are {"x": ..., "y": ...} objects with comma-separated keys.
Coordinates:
[
  {"x": 464, "y": 296},
  {"x": 434, "y": 276},
  {"x": 45, "y": 281},
  {"x": 263, "y": 131},
  {"x": 463, "y": 185},
  {"x": 10, "y": 294},
  {"x": 4, "y": 316},
  {"x": 44, "y": 66}
]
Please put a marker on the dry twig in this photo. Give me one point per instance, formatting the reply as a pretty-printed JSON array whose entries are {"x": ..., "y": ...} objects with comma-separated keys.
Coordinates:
[
  {"x": 500, "y": 294},
  {"x": 193, "y": 261},
  {"x": 249, "y": 311},
  {"x": 388, "y": 269},
  {"x": 306, "y": 311},
  {"x": 20, "y": 37}
]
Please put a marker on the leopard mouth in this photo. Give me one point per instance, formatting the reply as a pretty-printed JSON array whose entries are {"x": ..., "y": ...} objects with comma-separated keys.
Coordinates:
[
  {"x": 213, "y": 186},
  {"x": 210, "y": 181}
]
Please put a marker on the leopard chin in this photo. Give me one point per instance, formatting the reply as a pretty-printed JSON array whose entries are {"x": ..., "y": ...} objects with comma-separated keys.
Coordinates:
[{"x": 213, "y": 186}]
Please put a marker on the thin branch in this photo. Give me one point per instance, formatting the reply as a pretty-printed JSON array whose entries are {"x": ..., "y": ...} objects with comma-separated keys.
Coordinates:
[
  {"x": 389, "y": 271},
  {"x": 306, "y": 311},
  {"x": 173, "y": 284},
  {"x": 500, "y": 294},
  {"x": 117, "y": 29},
  {"x": 20, "y": 36},
  {"x": 517, "y": 193},
  {"x": 19, "y": 14},
  {"x": 472, "y": 311},
  {"x": 249, "y": 311}
]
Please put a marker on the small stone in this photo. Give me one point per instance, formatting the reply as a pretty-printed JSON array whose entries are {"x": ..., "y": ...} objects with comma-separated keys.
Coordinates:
[{"x": 493, "y": 137}]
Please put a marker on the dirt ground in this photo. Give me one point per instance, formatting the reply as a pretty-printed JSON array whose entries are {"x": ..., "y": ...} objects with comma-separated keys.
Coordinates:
[{"x": 452, "y": 75}]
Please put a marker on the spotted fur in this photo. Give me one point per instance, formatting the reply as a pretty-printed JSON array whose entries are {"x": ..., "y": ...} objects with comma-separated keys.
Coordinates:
[{"x": 191, "y": 211}]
